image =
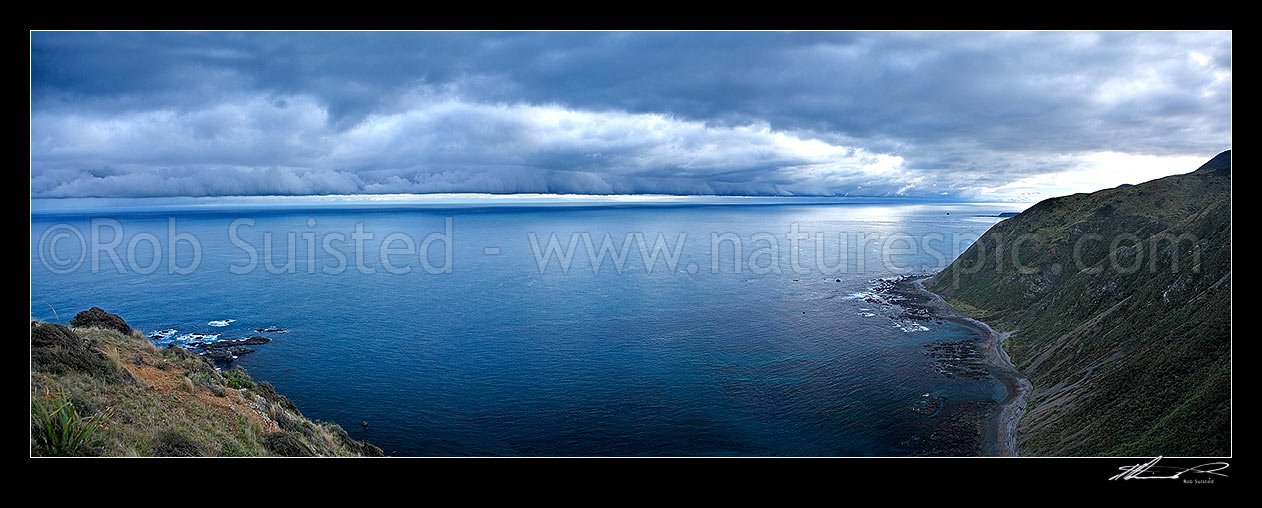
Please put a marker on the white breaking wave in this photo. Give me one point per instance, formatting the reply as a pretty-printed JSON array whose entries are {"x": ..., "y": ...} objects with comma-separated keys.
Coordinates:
[
  {"x": 197, "y": 337},
  {"x": 911, "y": 327}
]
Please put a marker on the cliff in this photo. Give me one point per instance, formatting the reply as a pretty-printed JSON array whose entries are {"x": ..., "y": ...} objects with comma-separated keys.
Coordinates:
[
  {"x": 1119, "y": 305},
  {"x": 98, "y": 388}
]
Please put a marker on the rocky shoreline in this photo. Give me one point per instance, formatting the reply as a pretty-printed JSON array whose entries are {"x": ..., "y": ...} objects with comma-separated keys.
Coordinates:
[{"x": 968, "y": 359}]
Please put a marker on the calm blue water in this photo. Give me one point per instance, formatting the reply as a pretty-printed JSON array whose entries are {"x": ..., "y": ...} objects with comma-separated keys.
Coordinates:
[{"x": 496, "y": 358}]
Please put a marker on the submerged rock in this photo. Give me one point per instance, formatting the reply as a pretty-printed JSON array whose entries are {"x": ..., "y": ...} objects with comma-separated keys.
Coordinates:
[
  {"x": 957, "y": 358},
  {"x": 252, "y": 341},
  {"x": 227, "y": 355},
  {"x": 928, "y": 406}
]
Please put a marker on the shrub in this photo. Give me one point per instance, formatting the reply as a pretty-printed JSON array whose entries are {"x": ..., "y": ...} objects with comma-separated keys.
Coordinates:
[
  {"x": 238, "y": 378},
  {"x": 173, "y": 444},
  {"x": 286, "y": 444},
  {"x": 231, "y": 449},
  {"x": 56, "y": 349},
  {"x": 95, "y": 317}
]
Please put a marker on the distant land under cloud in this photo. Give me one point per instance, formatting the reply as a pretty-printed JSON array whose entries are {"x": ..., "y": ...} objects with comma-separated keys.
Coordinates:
[{"x": 939, "y": 115}]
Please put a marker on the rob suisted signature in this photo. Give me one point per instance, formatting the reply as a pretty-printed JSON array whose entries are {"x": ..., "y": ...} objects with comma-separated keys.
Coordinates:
[{"x": 1151, "y": 471}]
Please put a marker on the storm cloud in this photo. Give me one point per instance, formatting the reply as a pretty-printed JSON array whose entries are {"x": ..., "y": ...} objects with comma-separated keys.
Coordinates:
[{"x": 955, "y": 115}]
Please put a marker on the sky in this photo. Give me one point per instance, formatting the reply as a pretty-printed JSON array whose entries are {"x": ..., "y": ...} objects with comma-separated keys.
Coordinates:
[{"x": 982, "y": 116}]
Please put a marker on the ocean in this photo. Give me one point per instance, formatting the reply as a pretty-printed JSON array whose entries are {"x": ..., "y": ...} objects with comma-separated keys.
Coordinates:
[{"x": 472, "y": 335}]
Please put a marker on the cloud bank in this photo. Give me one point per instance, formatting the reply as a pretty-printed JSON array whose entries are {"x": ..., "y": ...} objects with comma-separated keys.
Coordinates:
[{"x": 928, "y": 115}]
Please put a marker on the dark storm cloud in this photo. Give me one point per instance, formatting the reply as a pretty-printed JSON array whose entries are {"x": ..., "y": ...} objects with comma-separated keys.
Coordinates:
[{"x": 921, "y": 114}]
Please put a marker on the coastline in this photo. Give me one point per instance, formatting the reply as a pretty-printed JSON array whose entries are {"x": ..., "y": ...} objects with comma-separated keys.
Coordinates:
[{"x": 1001, "y": 427}]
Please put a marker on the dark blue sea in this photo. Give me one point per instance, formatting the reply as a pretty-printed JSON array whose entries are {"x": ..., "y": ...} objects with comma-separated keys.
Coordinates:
[{"x": 474, "y": 347}]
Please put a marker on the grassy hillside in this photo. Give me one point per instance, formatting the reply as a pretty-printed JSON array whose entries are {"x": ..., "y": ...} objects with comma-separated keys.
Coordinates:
[
  {"x": 1120, "y": 306},
  {"x": 97, "y": 388}
]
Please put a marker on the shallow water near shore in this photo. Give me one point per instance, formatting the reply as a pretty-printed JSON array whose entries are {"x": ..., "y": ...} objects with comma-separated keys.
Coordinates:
[{"x": 496, "y": 358}]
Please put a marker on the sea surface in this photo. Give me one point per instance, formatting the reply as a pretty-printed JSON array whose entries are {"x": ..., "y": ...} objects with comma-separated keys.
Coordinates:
[{"x": 481, "y": 349}]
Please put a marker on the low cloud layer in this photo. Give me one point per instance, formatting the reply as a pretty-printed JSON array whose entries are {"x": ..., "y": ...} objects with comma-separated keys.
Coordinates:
[{"x": 936, "y": 115}]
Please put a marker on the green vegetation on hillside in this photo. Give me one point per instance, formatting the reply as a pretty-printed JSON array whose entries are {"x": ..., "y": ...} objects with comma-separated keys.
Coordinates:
[
  {"x": 1120, "y": 306},
  {"x": 96, "y": 390}
]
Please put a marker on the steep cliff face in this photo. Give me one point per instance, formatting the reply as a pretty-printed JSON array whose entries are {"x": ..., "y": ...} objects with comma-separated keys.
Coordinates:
[
  {"x": 1119, "y": 303},
  {"x": 97, "y": 388}
]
